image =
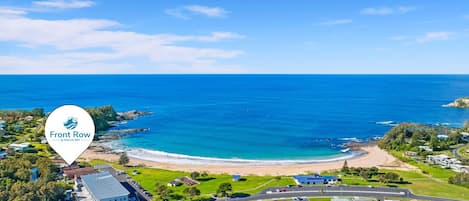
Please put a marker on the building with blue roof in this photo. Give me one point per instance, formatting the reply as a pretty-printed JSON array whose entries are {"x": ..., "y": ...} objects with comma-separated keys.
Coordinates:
[
  {"x": 314, "y": 179},
  {"x": 104, "y": 187},
  {"x": 236, "y": 177}
]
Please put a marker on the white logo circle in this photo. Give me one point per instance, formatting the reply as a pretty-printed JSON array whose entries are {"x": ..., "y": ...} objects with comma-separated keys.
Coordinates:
[{"x": 69, "y": 131}]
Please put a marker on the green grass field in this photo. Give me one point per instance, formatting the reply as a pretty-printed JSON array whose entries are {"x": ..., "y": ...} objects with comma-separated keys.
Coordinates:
[
  {"x": 148, "y": 177},
  {"x": 432, "y": 184},
  {"x": 419, "y": 184}
]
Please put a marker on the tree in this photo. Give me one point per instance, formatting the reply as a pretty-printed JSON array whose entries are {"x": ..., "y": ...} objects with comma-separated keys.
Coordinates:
[
  {"x": 163, "y": 191},
  {"x": 461, "y": 179},
  {"x": 191, "y": 192},
  {"x": 123, "y": 159},
  {"x": 389, "y": 177},
  {"x": 52, "y": 191},
  {"x": 195, "y": 175},
  {"x": 345, "y": 168},
  {"x": 224, "y": 189},
  {"x": 204, "y": 174},
  {"x": 365, "y": 174}
]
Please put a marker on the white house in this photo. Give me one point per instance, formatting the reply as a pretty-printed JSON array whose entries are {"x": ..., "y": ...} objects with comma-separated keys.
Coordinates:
[
  {"x": 447, "y": 162},
  {"x": 425, "y": 148},
  {"x": 20, "y": 147}
]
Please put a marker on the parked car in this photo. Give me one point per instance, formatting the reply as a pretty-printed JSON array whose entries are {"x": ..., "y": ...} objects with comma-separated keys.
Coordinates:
[{"x": 299, "y": 199}]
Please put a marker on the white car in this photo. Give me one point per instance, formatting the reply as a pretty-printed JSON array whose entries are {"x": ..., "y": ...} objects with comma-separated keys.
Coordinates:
[{"x": 300, "y": 199}]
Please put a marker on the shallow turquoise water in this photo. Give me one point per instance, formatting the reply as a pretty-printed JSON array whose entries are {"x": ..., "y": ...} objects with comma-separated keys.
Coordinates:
[{"x": 250, "y": 116}]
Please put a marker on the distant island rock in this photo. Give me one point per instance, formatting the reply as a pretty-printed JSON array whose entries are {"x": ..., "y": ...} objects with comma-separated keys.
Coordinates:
[
  {"x": 130, "y": 115},
  {"x": 459, "y": 103},
  {"x": 117, "y": 134}
]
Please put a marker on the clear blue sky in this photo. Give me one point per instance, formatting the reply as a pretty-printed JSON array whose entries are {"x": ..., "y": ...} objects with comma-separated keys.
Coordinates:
[{"x": 220, "y": 36}]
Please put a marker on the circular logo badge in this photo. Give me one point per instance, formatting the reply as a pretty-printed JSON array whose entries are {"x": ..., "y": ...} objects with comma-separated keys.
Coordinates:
[{"x": 69, "y": 131}]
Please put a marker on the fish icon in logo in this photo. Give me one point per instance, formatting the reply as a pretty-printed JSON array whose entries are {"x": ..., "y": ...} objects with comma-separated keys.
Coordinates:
[{"x": 71, "y": 123}]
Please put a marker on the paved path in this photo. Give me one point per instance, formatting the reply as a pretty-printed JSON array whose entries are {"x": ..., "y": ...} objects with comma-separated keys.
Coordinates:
[{"x": 352, "y": 191}]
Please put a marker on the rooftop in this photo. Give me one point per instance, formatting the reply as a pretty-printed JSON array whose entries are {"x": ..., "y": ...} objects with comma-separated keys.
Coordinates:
[
  {"x": 315, "y": 177},
  {"x": 77, "y": 171},
  {"x": 103, "y": 185}
]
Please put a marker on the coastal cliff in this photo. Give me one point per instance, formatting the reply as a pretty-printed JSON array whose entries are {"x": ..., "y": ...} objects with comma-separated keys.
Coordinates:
[
  {"x": 459, "y": 103},
  {"x": 106, "y": 117}
]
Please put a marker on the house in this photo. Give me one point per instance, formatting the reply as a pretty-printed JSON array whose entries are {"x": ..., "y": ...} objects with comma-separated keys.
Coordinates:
[
  {"x": 442, "y": 137},
  {"x": 425, "y": 148},
  {"x": 3, "y": 155},
  {"x": 460, "y": 168},
  {"x": 104, "y": 187},
  {"x": 236, "y": 177},
  {"x": 20, "y": 147},
  {"x": 465, "y": 136},
  {"x": 174, "y": 183},
  {"x": 77, "y": 172},
  {"x": 189, "y": 181},
  {"x": 3, "y": 124},
  {"x": 314, "y": 179},
  {"x": 410, "y": 153},
  {"x": 437, "y": 159},
  {"x": 446, "y": 162}
]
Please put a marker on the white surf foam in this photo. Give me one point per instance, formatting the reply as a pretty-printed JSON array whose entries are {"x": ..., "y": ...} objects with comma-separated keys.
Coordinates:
[{"x": 164, "y": 157}]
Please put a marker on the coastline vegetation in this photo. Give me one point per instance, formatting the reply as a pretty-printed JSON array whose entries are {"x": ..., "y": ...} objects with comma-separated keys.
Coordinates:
[
  {"x": 17, "y": 180},
  {"x": 28, "y": 126},
  {"x": 409, "y": 136}
]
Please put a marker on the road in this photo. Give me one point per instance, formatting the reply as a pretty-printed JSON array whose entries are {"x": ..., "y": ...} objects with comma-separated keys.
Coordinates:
[
  {"x": 360, "y": 191},
  {"x": 455, "y": 151}
]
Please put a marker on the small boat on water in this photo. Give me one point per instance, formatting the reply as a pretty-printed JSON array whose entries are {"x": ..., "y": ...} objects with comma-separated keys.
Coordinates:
[{"x": 345, "y": 150}]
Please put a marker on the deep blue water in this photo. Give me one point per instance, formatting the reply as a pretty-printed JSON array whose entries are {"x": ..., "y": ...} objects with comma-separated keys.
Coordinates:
[{"x": 250, "y": 116}]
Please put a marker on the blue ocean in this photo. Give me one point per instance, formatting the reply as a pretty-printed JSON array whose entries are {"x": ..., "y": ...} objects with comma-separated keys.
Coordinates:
[{"x": 261, "y": 117}]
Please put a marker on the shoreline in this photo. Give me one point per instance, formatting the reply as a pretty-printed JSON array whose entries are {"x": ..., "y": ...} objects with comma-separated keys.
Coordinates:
[
  {"x": 371, "y": 156},
  {"x": 159, "y": 156}
]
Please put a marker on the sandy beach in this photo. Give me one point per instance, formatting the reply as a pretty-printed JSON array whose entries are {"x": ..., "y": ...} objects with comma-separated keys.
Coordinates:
[{"x": 374, "y": 156}]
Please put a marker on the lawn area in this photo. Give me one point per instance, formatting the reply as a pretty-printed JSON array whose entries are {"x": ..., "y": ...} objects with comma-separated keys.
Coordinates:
[
  {"x": 148, "y": 177},
  {"x": 420, "y": 184},
  {"x": 42, "y": 149},
  {"x": 434, "y": 171},
  {"x": 435, "y": 183}
]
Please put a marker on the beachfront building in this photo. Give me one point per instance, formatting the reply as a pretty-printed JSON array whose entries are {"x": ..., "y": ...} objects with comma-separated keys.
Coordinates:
[
  {"x": 446, "y": 162},
  {"x": 236, "y": 177},
  {"x": 314, "y": 179},
  {"x": 426, "y": 148},
  {"x": 410, "y": 154},
  {"x": 104, "y": 187},
  {"x": 174, "y": 183},
  {"x": 189, "y": 181},
  {"x": 460, "y": 168}
]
